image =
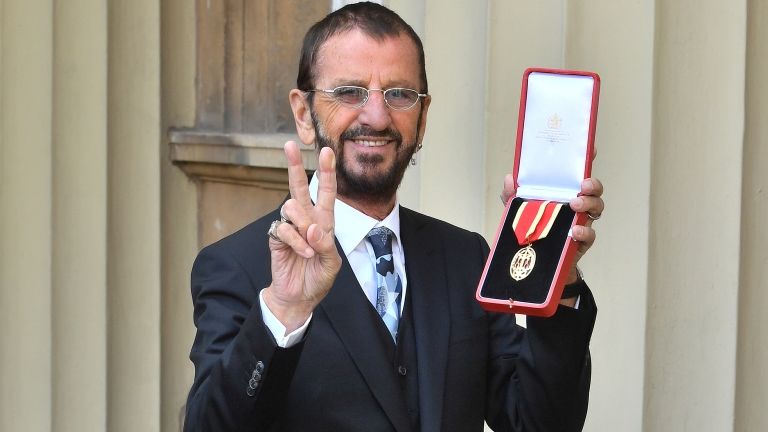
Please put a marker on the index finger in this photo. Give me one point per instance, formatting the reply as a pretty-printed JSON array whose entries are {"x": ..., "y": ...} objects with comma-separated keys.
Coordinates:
[
  {"x": 297, "y": 177},
  {"x": 509, "y": 188},
  {"x": 592, "y": 186},
  {"x": 326, "y": 191}
]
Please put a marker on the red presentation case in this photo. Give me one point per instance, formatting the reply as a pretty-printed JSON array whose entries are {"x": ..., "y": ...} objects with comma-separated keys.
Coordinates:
[{"x": 553, "y": 154}]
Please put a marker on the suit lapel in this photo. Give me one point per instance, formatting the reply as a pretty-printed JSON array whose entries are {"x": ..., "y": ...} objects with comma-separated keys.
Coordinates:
[
  {"x": 425, "y": 267},
  {"x": 355, "y": 321}
]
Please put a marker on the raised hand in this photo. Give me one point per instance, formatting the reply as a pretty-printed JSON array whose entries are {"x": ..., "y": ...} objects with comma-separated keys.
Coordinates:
[{"x": 305, "y": 261}]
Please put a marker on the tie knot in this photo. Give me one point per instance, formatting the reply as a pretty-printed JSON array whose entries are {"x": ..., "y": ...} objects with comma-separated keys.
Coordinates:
[{"x": 381, "y": 240}]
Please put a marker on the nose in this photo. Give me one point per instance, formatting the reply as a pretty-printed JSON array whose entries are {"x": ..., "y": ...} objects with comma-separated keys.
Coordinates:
[{"x": 375, "y": 113}]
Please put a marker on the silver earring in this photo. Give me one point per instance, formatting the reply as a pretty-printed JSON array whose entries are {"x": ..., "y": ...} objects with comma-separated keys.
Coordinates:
[{"x": 413, "y": 158}]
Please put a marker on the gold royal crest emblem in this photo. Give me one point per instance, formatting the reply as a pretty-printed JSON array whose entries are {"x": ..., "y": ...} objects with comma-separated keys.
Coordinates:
[
  {"x": 522, "y": 263},
  {"x": 554, "y": 121}
]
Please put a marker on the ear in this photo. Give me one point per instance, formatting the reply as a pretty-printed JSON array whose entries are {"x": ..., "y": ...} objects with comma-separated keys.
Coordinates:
[
  {"x": 302, "y": 115},
  {"x": 423, "y": 123}
]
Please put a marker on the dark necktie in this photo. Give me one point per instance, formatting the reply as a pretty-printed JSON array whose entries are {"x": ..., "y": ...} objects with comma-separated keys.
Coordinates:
[{"x": 388, "y": 285}]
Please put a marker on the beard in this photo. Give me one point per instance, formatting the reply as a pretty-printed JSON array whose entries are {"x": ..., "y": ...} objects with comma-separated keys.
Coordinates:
[{"x": 370, "y": 184}]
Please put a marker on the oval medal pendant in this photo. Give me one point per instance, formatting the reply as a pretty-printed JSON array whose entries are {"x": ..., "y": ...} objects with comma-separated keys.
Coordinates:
[{"x": 522, "y": 263}]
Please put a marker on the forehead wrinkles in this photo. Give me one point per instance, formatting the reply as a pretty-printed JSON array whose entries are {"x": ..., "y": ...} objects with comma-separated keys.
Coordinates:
[{"x": 337, "y": 51}]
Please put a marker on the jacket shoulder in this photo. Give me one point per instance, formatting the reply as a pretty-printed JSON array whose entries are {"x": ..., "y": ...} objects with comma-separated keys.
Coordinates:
[{"x": 448, "y": 232}]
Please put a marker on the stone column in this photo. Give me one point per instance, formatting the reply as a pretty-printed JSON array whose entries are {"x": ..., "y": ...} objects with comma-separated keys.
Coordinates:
[
  {"x": 25, "y": 214},
  {"x": 79, "y": 293},
  {"x": 751, "y": 378},
  {"x": 133, "y": 269},
  {"x": 615, "y": 39},
  {"x": 695, "y": 215},
  {"x": 179, "y": 211}
]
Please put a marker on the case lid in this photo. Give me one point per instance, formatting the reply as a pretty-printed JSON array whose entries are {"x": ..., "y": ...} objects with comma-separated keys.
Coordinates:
[{"x": 557, "y": 109}]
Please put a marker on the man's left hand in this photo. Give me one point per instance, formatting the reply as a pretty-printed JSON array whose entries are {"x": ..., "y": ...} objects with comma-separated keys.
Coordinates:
[{"x": 591, "y": 203}]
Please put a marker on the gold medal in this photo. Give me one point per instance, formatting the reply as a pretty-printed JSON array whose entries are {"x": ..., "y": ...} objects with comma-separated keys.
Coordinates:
[{"x": 522, "y": 263}]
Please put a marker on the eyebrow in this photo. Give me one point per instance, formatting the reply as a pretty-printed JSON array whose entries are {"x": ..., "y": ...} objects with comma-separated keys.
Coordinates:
[{"x": 359, "y": 83}]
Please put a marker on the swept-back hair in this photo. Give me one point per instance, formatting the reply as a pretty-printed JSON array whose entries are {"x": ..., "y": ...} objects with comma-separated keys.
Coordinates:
[{"x": 374, "y": 20}]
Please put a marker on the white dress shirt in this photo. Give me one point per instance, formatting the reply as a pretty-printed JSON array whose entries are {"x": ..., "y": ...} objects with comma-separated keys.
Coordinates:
[{"x": 351, "y": 229}]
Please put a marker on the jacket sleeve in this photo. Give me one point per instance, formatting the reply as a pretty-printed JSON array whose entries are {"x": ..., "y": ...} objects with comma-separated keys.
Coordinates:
[{"x": 240, "y": 373}]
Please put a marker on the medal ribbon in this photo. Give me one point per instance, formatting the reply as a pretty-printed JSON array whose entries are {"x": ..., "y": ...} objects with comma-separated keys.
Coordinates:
[{"x": 534, "y": 220}]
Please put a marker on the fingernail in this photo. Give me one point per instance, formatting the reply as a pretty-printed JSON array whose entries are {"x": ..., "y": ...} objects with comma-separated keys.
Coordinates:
[{"x": 308, "y": 252}]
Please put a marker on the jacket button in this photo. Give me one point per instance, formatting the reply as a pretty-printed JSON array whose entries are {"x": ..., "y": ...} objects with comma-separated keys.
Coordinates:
[
  {"x": 253, "y": 384},
  {"x": 256, "y": 376},
  {"x": 402, "y": 370}
]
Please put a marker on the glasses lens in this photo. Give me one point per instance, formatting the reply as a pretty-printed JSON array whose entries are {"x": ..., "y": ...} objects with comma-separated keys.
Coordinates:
[
  {"x": 350, "y": 95},
  {"x": 401, "y": 98}
]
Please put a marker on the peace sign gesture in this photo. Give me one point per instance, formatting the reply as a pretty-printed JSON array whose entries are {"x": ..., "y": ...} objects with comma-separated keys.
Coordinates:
[{"x": 305, "y": 261}]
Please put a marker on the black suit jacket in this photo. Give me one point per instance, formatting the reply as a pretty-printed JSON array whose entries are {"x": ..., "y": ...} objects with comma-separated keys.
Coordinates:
[{"x": 471, "y": 365}]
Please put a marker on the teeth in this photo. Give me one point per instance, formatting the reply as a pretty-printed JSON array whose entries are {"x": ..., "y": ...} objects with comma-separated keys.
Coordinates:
[{"x": 370, "y": 143}]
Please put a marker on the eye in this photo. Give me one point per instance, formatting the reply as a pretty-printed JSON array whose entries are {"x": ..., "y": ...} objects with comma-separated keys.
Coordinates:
[
  {"x": 401, "y": 97},
  {"x": 350, "y": 94}
]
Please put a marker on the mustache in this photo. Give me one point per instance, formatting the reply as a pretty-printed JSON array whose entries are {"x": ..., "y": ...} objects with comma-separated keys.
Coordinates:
[{"x": 354, "y": 132}]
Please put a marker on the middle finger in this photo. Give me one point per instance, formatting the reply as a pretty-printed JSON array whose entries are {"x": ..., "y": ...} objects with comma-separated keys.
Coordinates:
[{"x": 588, "y": 204}]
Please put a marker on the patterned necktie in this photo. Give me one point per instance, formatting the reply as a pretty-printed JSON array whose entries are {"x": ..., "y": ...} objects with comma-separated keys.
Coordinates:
[{"x": 388, "y": 285}]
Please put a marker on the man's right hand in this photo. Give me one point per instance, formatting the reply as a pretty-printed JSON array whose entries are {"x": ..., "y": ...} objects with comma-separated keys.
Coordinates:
[{"x": 305, "y": 261}]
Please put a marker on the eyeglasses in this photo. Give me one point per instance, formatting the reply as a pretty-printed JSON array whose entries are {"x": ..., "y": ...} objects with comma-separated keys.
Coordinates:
[{"x": 399, "y": 99}]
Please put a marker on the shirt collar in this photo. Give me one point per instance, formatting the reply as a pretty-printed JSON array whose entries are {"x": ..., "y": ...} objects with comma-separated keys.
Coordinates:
[{"x": 351, "y": 225}]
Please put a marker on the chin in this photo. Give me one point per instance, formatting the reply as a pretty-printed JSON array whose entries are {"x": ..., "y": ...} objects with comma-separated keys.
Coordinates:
[
  {"x": 369, "y": 165},
  {"x": 370, "y": 181}
]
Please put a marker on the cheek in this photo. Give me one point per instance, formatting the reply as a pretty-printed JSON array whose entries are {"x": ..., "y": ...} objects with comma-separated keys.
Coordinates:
[
  {"x": 407, "y": 126},
  {"x": 337, "y": 120}
]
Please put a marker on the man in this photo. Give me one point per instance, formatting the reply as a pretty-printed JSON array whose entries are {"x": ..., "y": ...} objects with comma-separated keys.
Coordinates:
[{"x": 306, "y": 323}]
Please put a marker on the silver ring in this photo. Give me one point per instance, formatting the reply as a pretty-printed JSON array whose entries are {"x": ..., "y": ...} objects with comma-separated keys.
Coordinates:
[
  {"x": 273, "y": 231},
  {"x": 594, "y": 218},
  {"x": 284, "y": 218}
]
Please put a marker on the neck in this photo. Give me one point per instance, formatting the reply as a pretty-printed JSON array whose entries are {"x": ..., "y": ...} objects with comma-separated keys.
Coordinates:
[{"x": 377, "y": 209}]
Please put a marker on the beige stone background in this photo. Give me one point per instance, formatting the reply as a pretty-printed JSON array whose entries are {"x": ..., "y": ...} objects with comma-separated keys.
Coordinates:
[{"x": 98, "y": 228}]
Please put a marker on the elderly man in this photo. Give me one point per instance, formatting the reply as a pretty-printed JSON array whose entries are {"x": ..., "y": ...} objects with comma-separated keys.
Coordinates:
[{"x": 342, "y": 310}]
